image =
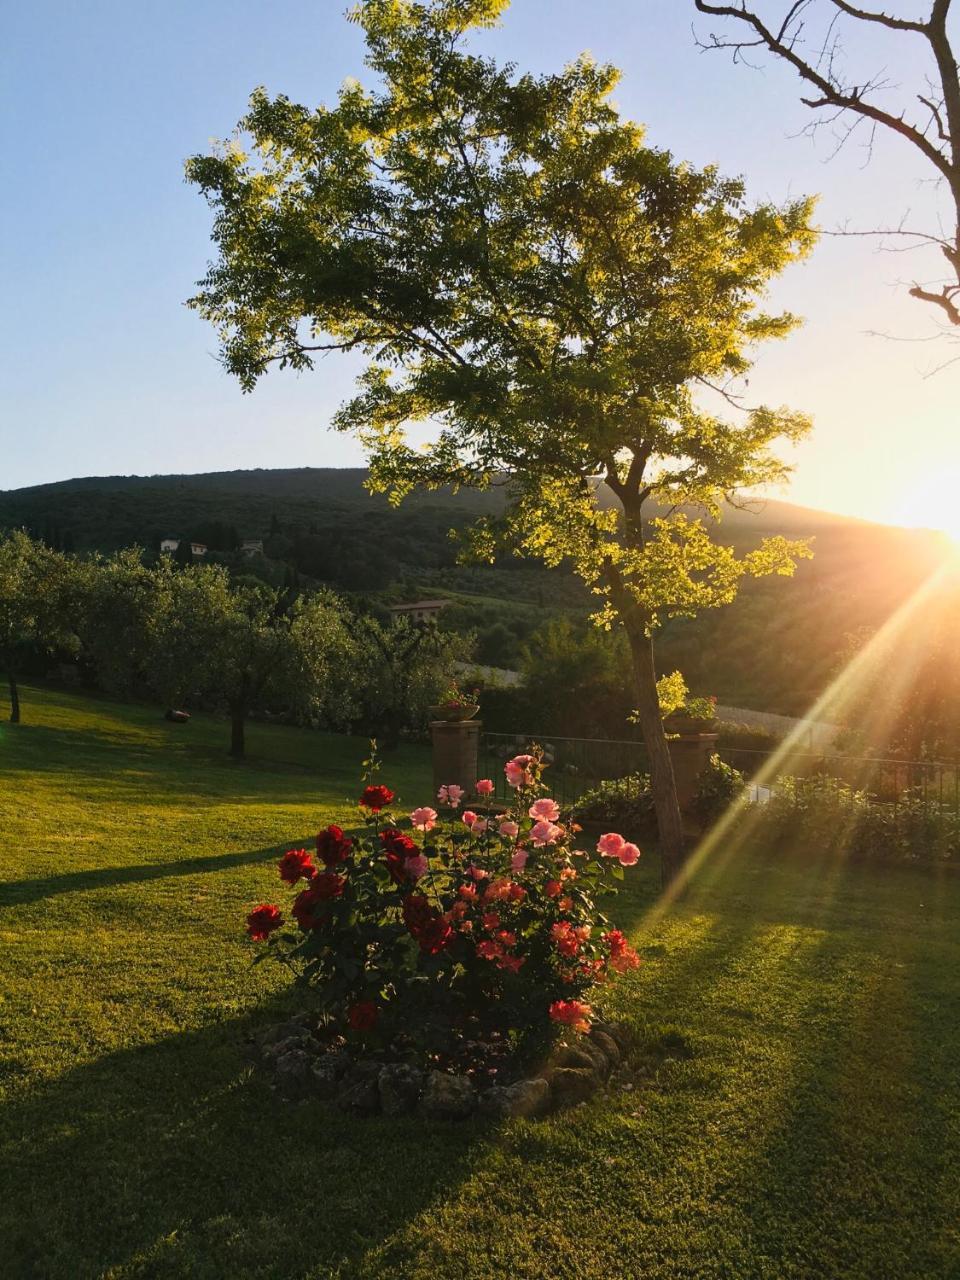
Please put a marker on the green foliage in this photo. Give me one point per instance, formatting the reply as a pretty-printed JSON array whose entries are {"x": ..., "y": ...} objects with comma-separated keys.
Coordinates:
[
  {"x": 39, "y": 590},
  {"x": 827, "y": 813},
  {"x": 624, "y": 804},
  {"x": 519, "y": 266},
  {"x": 718, "y": 786}
]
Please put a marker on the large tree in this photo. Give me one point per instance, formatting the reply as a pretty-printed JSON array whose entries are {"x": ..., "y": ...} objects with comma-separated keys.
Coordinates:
[
  {"x": 522, "y": 272},
  {"x": 814, "y": 38}
]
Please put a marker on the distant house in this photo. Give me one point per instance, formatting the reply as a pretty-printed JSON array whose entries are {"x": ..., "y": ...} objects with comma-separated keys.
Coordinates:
[
  {"x": 252, "y": 546},
  {"x": 419, "y": 610},
  {"x": 171, "y": 544}
]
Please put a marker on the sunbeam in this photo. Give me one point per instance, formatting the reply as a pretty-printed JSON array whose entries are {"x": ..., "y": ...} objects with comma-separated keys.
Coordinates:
[{"x": 729, "y": 833}]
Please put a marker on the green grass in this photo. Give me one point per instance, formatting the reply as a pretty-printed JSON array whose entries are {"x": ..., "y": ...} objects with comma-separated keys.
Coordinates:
[{"x": 807, "y": 1123}]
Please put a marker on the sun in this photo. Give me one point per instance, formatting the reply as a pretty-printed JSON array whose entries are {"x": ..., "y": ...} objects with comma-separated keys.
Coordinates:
[{"x": 934, "y": 504}]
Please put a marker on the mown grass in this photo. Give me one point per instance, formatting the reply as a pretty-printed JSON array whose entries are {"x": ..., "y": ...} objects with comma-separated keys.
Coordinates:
[{"x": 804, "y": 1120}]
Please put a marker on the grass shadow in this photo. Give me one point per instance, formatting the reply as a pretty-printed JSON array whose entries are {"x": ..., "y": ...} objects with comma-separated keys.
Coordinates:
[{"x": 189, "y": 1164}]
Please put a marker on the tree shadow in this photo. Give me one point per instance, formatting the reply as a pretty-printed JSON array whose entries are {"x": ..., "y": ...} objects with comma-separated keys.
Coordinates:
[
  {"x": 19, "y": 892},
  {"x": 175, "y": 1158}
]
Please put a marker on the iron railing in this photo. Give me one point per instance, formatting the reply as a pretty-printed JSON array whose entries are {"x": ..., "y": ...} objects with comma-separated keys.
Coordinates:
[{"x": 575, "y": 765}]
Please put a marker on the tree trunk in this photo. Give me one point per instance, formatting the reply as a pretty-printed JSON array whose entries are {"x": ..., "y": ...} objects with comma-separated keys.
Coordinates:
[
  {"x": 669, "y": 822},
  {"x": 238, "y": 715},
  {"x": 14, "y": 698}
]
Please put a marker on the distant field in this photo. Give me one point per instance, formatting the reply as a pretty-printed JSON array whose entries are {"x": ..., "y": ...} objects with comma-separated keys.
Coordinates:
[{"x": 804, "y": 1123}]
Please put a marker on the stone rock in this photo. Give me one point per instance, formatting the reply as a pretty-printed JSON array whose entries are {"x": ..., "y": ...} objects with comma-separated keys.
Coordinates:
[
  {"x": 584, "y": 1055},
  {"x": 299, "y": 1026},
  {"x": 279, "y": 1048},
  {"x": 571, "y": 1085},
  {"x": 362, "y": 1097},
  {"x": 327, "y": 1075},
  {"x": 294, "y": 1074},
  {"x": 525, "y": 1098},
  {"x": 607, "y": 1046},
  {"x": 447, "y": 1097},
  {"x": 618, "y": 1034},
  {"x": 399, "y": 1085}
]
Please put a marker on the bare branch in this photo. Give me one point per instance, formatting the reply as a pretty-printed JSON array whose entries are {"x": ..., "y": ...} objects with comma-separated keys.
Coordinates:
[{"x": 937, "y": 138}]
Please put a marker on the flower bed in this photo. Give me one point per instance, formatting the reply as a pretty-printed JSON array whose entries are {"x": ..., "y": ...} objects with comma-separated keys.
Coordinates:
[{"x": 463, "y": 945}]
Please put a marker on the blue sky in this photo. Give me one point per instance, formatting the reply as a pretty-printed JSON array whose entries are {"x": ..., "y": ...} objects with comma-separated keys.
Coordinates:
[{"x": 104, "y": 371}]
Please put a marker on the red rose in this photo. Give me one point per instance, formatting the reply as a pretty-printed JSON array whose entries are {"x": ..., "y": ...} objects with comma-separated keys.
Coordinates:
[
  {"x": 435, "y": 936},
  {"x": 305, "y": 909},
  {"x": 296, "y": 865},
  {"x": 426, "y": 924},
  {"x": 328, "y": 885},
  {"x": 417, "y": 912},
  {"x": 262, "y": 921},
  {"x": 306, "y": 905},
  {"x": 333, "y": 846},
  {"x": 398, "y": 842},
  {"x": 398, "y": 848},
  {"x": 363, "y": 1016},
  {"x": 376, "y": 798}
]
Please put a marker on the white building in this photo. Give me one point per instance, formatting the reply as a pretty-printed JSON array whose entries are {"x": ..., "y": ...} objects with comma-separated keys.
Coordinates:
[{"x": 419, "y": 610}]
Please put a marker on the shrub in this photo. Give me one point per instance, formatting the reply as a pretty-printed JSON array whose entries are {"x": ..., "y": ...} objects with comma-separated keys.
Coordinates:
[
  {"x": 718, "y": 785},
  {"x": 625, "y": 803},
  {"x": 827, "y": 813},
  {"x": 461, "y": 927}
]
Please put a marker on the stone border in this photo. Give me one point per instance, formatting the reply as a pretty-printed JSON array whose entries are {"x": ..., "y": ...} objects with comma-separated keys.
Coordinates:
[{"x": 303, "y": 1069}]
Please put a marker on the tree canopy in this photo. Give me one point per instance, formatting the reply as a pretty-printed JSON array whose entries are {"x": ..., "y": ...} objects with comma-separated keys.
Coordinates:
[{"x": 562, "y": 302}]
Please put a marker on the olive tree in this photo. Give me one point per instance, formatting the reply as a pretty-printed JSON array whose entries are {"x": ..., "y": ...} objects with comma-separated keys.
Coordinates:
[
  {"x": 561, "y": 303},
  {"x": 38, "y": 598}
]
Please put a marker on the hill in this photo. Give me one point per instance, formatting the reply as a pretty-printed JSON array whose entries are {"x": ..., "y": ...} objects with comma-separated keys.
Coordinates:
[{"x": 775, "y": 649}]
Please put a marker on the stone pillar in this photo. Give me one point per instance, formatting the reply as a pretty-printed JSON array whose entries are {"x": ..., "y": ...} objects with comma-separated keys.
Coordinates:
[
  {"x": 456, "y": 752},
  {"x": 690, "y": 753}
]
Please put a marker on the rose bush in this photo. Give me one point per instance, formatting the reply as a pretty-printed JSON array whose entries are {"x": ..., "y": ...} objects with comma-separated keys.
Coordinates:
[{"x": 470, "y": 924}]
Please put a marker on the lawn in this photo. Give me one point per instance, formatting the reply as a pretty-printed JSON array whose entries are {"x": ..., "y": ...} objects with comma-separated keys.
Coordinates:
[{"x": 804, "y": 1120}]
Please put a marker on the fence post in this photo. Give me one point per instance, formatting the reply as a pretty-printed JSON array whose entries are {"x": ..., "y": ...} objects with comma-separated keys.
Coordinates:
[
  {"x": 690, "y": 753},
  {"x": 456, "y": 753}
]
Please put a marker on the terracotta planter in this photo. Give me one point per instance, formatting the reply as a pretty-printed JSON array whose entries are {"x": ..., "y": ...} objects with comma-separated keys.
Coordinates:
[
  {"x": 454, "y": 713},
  {"x": 688, "y": 725}
]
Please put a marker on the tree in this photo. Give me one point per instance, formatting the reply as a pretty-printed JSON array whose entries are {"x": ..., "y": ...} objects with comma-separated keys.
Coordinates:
[
  {"x": 404, "y": 667},
  {"x": 241, "y": 648},
  {"x": 521, "y": 270},
  {"x": 930, "y": 124},
  {"x": 118, "y": 619},
  {"x": 37, "y": 599}
]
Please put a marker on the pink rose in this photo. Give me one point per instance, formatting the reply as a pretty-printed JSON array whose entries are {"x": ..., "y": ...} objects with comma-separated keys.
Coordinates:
[
  {"x": 450, "y": 794},
  {"x": 484, "y": 787},
  {"x": 519, "y": 860},
  {"x": 518, "y": 772},
  {"x": 424, "y": 818},
  {"x": 477, "y": 873},
  {"x": 546, "y": 809},
  {"x": 628, "y": 854},
  {"x": 545, "y": 833},
  {"x": 610, "y": 845},
  {"x": 509, "y": 829},
  {"x": 479, "y": 826},
  {"x": 416, "y": 867},
  {"x": 469, "y": 817}
]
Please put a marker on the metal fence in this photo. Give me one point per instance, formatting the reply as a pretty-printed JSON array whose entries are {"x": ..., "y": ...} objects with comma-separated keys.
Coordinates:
[
  {"x": 576, "y": 765},
  {"x": 885, "y": 779}
]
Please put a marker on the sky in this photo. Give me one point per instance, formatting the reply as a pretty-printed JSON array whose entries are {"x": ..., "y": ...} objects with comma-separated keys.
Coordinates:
[{"x": 104, "y": 371}]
